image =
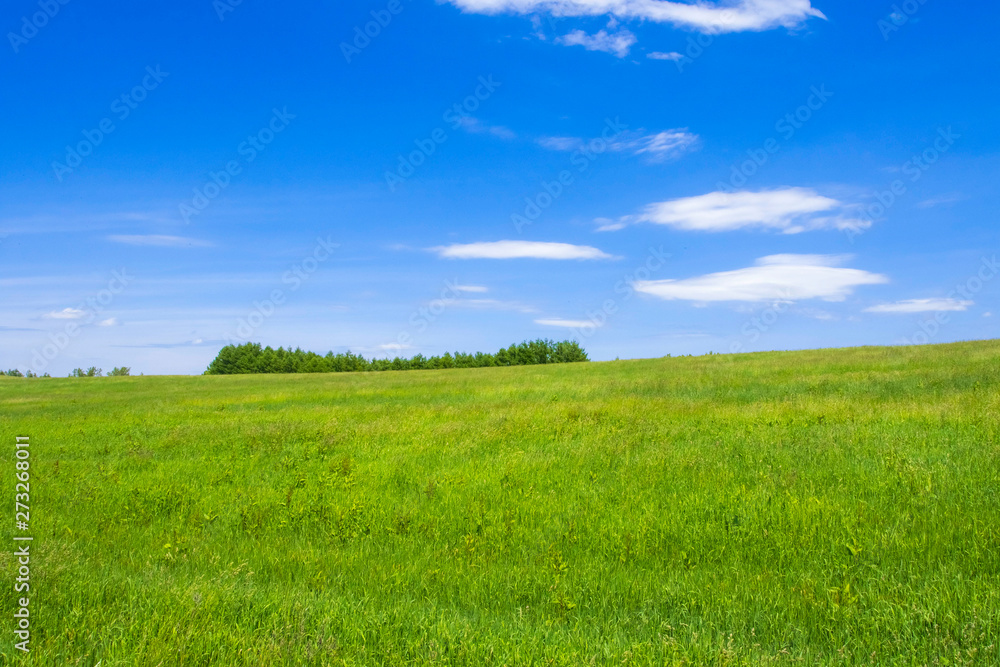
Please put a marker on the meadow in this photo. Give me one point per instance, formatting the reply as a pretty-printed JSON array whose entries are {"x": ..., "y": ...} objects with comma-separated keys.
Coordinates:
[{"x": 834, "y": 507}]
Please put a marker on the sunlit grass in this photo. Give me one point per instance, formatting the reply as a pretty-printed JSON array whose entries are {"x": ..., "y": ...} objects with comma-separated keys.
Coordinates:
[{"x": 816, "y": 508}]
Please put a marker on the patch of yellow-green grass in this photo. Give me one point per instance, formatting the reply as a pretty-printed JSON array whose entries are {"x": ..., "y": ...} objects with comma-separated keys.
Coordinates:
[{"x": 832, "y": 507}]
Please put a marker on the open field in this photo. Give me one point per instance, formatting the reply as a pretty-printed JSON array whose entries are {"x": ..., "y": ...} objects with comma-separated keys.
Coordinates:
[{"x": 814, "y": 508}]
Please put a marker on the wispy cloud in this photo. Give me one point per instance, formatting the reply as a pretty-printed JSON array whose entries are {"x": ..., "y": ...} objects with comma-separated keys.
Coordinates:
[
  {"x": 788, "y": 210},
  {"x": 66, "y": 314},
  {"x": 941, "y": 201},
  {"x": 394, "y": 347},
  {"x": 562, "y": 143},
  {"x": 659, "y": 55},
  {"x": 774, "y": 278},
  {"x": 474, "y": 289},
  {"x": 494, "y": 304},
  {"x": 617, "y": 44},
  {"x": 706, "y": 17},
  {"x": 71, "y": 220},
  {"x": 656, "y": 147},
  {"x": 922, "y": 306},
  {"x": 608, "y": 225},
  {"x": 566, "y": 324},
  {"x": 519, "y": 250},
  {"x": 197, "y": 342},
  {"x": 663, "y": 145},
  {"x": 475, "y": 126},
  {"x": 110, "y": 322},
  {"x": 817, "y": 314},
  {"x": 158, "y": 241}
]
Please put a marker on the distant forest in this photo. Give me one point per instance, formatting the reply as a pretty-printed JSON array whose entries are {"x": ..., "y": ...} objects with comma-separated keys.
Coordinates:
[{"x": 252, "y": 358}]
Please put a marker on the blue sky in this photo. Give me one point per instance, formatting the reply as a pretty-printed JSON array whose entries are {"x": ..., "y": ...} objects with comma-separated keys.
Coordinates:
[{"x": 648, "y": 177}]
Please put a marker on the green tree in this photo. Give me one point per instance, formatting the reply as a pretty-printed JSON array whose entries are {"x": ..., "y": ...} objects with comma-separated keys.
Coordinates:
[{"x": 252, "y": 358}]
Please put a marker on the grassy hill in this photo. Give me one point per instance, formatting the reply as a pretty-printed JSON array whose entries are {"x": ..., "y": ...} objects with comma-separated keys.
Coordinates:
[{"x": 837, "y": 507}]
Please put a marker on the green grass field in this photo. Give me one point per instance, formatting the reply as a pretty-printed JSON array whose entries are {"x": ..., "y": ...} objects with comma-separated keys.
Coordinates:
[{"x": 837, "y": 507}]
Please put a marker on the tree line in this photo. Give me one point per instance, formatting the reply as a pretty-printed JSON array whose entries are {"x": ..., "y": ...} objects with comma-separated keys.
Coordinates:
[
  {"x": 252, "y": 358},
  {"x": 92, "y": 372}
]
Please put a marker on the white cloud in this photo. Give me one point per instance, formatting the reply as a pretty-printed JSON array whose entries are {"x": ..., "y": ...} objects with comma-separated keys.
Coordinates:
[
  {"x": 519, "y": 250},
  {"x": 609, "y": 225},
  {"x": 659, "y": 55},
  {"x": 394, "y": 347},
  {"x": 476, "y": 126},
  {"x": 475, "y": 289},
  {"x": 774, "y": 278},
  {"x": 657, "y": 147},
  {"x": 567, "y": 324},
  {"x": 942, "y": 200},
  {"x": 562, "y": 143},
  {"x": 110, "y": 322},
  {"x": 158, "y": 240},
  {"x": 66, "y": 314},
  {"x": 818, "y": 314},
  {"x": 706, "y": 17},
  {"x": 664, "y": 145},
  {"x": 71, "y": 219},
  {"x": 617, "y": 44},
  {"x": 922, "y": 306},
  {"x": 493, "y": 304},
  {"x": 789, "y": 210}
]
